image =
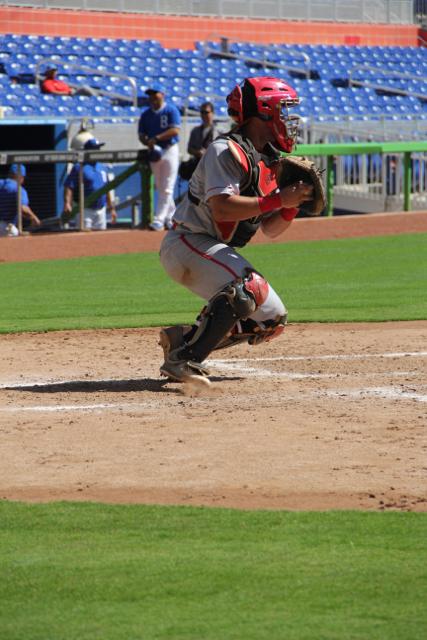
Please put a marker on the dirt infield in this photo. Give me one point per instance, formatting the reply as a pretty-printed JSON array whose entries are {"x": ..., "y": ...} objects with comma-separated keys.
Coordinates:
[{"x": 326, "y": 416}]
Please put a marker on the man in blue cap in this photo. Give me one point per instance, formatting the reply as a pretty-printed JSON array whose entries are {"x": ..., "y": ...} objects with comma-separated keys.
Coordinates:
[
  {"x": 94, "y": 177},
  {"x": 9, "y": 202},
  {"x": 158, "y": 128}
]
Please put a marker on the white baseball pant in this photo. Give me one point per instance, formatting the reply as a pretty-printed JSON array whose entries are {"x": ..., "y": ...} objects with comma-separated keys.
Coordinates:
[
  {"x": 205, "y": 266},
  {"x": 165, "y": 172}
]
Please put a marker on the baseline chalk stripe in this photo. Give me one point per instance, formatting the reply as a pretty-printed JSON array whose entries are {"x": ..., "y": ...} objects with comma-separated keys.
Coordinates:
[
  {"x": 80, "y": 407},
  {"x": 52, "y": 408},
  {"x": 350, "y": 356},
  {"x": 247, "y": 367},
  {"x": 384, "y": 393}
]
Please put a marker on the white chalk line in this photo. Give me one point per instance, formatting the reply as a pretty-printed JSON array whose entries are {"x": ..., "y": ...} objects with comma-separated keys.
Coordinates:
[
  {"x": 332, "y": 356},
  {"x": 384, "y": 393},
  {"x": 76, "y": 407},
  {"x": 232, "y": 364},
  {"x": 388, "y": 393},
  {"x": 255, "y": 372}
]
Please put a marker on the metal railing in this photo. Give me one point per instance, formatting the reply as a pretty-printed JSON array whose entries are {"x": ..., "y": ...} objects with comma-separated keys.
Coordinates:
[
  {"x": 116, "y": 156},
  {"x": 263, "y": 62},
  {"x": 389, "y": 173},
  {"x": 397, "y": 178},
  {"x": 383, "y": 87}
]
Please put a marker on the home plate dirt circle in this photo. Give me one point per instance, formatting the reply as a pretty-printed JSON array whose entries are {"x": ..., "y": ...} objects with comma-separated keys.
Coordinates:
[{"x": 326, "y": 416}]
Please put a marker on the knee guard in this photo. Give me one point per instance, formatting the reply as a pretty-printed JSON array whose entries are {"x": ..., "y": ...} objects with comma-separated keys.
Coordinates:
[
  {"x": 254, "y": 332},
  {"x": 267, "y": 330},
  {"x": 236, "y": 301}
]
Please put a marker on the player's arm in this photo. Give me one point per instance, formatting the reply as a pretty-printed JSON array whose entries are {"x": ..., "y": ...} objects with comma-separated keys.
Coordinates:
[
  {"x": 111, "y": 207},
  {"x": 233, "y": 208},
  {"x": 70, "y": 185},
  {"x": 163, "y": 136},
  {"x": 68, "y": 199},
  {"x": 142, "y": 134},
  {"x": 143, "y": 138},
  {"x": 27, "y": 212},
  {"x": 278, "y": 222}
]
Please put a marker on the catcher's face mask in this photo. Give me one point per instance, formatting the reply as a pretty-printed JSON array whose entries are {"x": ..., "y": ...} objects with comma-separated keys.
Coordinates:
[{"x": 284, "y": 126}]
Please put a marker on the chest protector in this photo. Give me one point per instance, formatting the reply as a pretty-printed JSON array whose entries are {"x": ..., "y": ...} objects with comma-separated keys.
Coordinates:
[{"x": 259, "y": 180}]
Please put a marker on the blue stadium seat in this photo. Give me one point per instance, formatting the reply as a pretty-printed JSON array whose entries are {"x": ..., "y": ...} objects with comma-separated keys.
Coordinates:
[{"x": 187, "y": 71}]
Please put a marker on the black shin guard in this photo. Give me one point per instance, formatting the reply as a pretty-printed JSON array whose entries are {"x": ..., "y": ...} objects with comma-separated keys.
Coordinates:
[{"x": 218, "y": 319}]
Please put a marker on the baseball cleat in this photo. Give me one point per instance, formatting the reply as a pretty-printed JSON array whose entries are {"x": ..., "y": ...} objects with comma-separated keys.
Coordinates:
[
  {"x": 171, "y": 338},
  {"x": 185, "y": 371},
  {"x": 156, "y": 225}
]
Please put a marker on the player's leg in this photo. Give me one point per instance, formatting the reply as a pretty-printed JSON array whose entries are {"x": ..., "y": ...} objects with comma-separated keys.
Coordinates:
[
  {"x": 99, "y": 218},
  {"x": 165, "y": 172},
  {"x": 8, "y": 229},
  {"x": 172, "y": 155},
  {"x": 88, "y": 218},
  {"x": 235, "y": 292}
]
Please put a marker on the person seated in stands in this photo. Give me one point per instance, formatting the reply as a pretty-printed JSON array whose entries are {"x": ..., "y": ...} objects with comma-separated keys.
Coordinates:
[
  {"x": 52, "y": 85},
  {"x": 9, "y": 202}
]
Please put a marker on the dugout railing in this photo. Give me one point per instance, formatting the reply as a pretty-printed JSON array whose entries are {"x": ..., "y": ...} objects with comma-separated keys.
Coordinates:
[
  {"x": 389, "y": 170},
  {"x": 122, "y": 156},
  {"x": 398, "y": 174}
]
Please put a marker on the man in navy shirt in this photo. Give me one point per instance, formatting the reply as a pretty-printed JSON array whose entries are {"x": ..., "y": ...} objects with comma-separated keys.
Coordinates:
[
  {"x": 158, "y": 128},
  {"x": 94, "y": 177},
  {"x": 9, "y": 202}
]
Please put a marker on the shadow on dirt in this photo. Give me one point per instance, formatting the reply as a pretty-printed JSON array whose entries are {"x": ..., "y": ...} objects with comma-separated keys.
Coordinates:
[
  {"x": 85, "y": 386},
  {"x": 119, "y": 386}
]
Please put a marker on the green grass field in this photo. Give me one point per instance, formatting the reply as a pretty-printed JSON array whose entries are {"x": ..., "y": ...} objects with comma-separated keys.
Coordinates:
[
  {"x": 89, "y": 572},
  {"x": 100, "y": 572},
  {"x": 372, "y": 279}
]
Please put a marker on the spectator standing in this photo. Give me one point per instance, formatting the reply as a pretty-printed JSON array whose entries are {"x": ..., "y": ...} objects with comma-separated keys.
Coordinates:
[
  {"x": 9, "y": 202},
  {"x": 200, "y": 138},
  {"x": 158, "y": 129},
  {"x": 202, "y": 135},
  {"x": 94, "y": 177}
]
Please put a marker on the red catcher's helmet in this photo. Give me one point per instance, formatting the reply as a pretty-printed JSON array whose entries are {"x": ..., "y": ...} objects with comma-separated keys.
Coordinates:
[{"x": 269, "y": 99}]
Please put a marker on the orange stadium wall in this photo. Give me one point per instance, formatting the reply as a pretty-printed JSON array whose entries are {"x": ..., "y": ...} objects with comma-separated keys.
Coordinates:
[{"x": 184, "y": 31}]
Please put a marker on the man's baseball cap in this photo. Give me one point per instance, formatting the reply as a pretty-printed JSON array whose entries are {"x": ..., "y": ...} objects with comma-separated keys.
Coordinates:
[
  {"x": 155, "y": 88},
  {"x": 14, "y": 170},
  {"x": 93, "y": 143},
  {"x": 50, "y": 67}
]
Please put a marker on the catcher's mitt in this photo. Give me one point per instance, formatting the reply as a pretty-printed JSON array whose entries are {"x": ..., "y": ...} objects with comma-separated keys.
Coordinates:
[{"x": 299, "y": 169}]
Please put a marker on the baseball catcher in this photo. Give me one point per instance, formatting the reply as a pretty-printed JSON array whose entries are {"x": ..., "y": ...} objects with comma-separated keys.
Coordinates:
[{"x": 241, "y": 184}]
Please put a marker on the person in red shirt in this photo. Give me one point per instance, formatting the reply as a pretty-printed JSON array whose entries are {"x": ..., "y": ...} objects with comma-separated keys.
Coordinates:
[
  {"x": 52, "y": 85},
  {"x": 60, "y": 88}
]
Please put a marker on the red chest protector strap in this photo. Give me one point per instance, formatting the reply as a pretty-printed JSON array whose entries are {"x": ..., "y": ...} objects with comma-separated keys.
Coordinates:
[
  {"x": 259, "y": 179},
  {"x": 265, "y": 180}
]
